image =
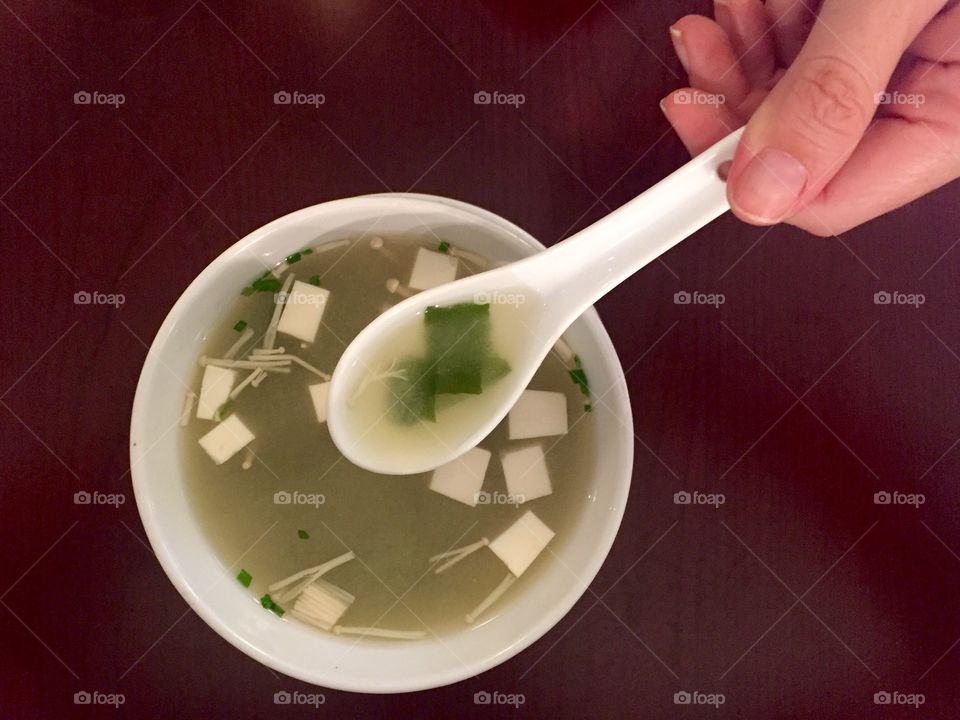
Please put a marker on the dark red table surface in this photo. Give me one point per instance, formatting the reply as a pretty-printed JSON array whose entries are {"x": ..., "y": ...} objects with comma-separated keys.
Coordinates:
[{"x": 798, "y": 398}]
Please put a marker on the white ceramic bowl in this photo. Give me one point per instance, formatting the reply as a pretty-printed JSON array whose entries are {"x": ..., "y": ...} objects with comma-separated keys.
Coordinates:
[{"x": 291, "y": 648}]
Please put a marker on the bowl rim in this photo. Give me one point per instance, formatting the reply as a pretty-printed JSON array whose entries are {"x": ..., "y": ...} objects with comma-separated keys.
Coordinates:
[{"x": 167, "y": 560}]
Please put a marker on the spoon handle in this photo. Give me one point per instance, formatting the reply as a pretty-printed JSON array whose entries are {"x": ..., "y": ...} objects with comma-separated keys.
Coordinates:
[{"x": 586, "y": 266}]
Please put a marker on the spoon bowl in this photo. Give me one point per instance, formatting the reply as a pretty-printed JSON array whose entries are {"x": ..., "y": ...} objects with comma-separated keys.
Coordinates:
[{"x": 532, "y": 302}]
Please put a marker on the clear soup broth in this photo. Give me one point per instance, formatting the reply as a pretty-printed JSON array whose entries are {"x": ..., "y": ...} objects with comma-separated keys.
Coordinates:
[{"x": 281, "y": 498}]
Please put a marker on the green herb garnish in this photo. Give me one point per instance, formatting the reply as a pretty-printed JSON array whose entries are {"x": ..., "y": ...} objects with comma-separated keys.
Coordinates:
[
  {"x": 295, "y": 257},
  {"x": 223, "y": 409},
  {"x": 458, "y": 337},
  {"x": 244, "y": 577},
  {"x": 303, "y": 534},
  {"x": 444, "y": 247},
  {"x": 579, "y": 376},
  {"x": 459, "y": 360},
  {"x": 314, "y": 280},
  {"x": 588, "y": 407},
  {"x": 270, "y": 605},
  {"x": 241, "y": 324},
  {"x": 307, "y": 251},
  {"x": 262, "y": 284}
]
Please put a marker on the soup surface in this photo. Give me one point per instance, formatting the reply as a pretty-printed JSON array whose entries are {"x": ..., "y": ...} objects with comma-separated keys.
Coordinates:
[{"x": 288, "y": 500}]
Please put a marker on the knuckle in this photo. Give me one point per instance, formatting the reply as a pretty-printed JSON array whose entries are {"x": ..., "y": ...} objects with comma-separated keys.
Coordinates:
[{"x": 836, "y": 96}]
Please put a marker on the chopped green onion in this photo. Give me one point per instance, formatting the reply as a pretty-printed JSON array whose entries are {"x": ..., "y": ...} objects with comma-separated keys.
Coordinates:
[
  {"x": 244, "y": 577},
  {"x": 314, "y": 280},
  {"x": 241, "y": 324},
  {"x": 303, "y": 534},
  {"x": 270, "y": 605},
  {"x": 295, "y": 257},
  {"x": 444, "y": 247},
  {"x": 262, "y": 284},
  {"x": 588, "y": 407},
  {"x": 223, "y": 409},
  {"x": 307, "y": 251},
  {"x": 579, "y": 376}
]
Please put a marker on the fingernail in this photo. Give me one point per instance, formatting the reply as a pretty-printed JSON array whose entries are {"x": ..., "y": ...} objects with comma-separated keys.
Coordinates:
[
  {"x": 770, "y": 186},
  {"x": 721, "y": 11},
  {"x": 678, "y": 46}
]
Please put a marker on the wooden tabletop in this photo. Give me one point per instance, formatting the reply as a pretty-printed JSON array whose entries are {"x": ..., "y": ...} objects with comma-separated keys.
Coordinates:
[{"x": 141, "y": 139}]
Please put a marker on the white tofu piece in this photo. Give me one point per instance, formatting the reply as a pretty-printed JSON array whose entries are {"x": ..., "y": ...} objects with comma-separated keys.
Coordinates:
[
  {"x": 431, "y": 269},
  {"x": 525, "y": 471},
  {"x": 226, "y": 439},
  {"x": 318, "y": 394},
  {"x": 519, "y": 544},
  {"x": 462, "y": 478},
  {"x": 538, "y": 413},
  {"x": 214, "y": 390},
  {"x": 303, "y": 311}
]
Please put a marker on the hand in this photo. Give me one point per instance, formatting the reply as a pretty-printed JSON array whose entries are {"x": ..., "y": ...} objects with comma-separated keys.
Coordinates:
[{"x": 853, "y": 105}]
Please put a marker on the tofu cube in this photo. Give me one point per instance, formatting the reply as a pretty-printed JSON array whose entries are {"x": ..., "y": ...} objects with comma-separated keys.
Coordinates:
[
  {"x": 537, "y": 414},
  {"x": 525, "y": 471},
  {"x": 303, "y": 310},
  {"x": 214, "y": 390},
  {"x": 519, "y": 544},
  {"x": 461, "y": 479},
  {"x": 431, "y": 269},
  {"x": 226, "y": 439},
  {"x": 318, "y": 394}
]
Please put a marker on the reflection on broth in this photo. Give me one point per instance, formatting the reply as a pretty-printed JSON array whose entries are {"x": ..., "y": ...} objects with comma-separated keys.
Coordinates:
[{"x": 322, "y": 541}]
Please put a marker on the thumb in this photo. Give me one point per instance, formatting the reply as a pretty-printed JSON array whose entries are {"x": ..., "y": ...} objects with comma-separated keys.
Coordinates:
[{"x": 815, "y": 116}]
